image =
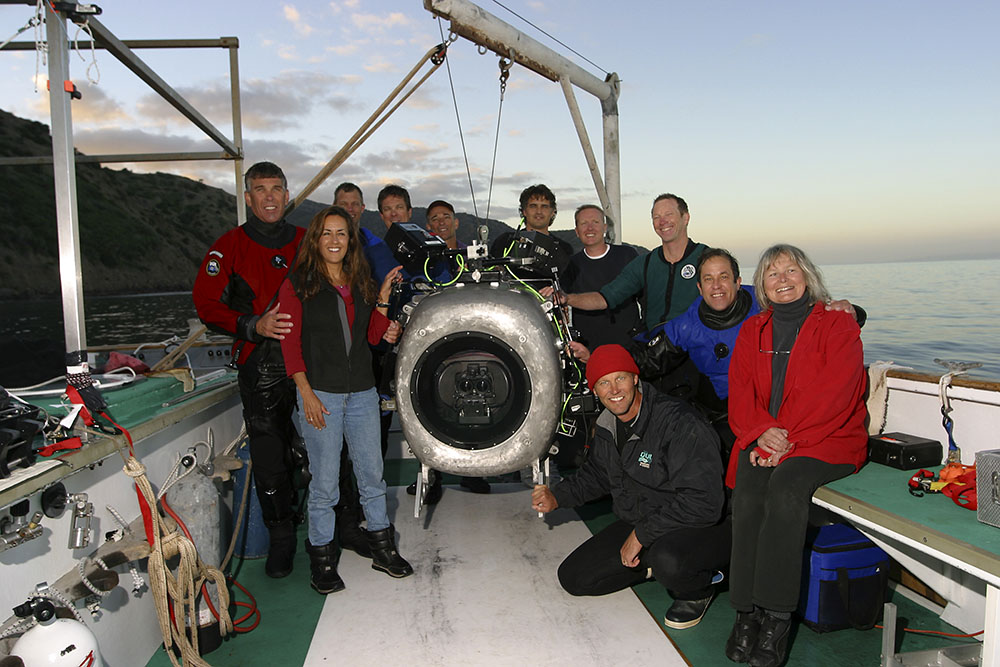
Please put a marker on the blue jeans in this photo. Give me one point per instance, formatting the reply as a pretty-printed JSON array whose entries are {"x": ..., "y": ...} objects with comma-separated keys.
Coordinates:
[{"x": 354, "y": 417}]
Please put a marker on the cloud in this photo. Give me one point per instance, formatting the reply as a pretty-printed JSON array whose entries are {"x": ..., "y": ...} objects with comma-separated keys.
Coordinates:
[
  {"x": 346, "y": 49},
  {"x": 380, "y": 65},
  {"x": 338, "y": 7},
  {"x": 424, "y": 99},
  {"x": 292, "y": 16},
  {"x": 380, "y": 23},
  {"x": 280, "y": 102},
  {"x": 97, "y": 108},
  {"x": 121, "y": 140},
  {"x": 298, "y": 162}
]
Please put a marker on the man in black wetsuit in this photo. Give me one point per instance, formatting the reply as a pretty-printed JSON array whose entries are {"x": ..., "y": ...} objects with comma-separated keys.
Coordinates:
[
  {"x": 538, "y": 210},
  {"x": 235, "y": 293}
]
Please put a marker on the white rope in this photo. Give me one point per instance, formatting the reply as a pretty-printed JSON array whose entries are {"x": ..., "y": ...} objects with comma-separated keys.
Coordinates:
[
  {"x": 23, "y": 625},
  {"x": 236, "y": 441},
  {"x": 164, "y": 343},
  {"x": 27, "y": 26},
  {"x": 41, "y": 46},
  {"x": 137, "y": 582},
  {"x": 85, "y": 27},
  {"x": 82, "y": 567},
  {"x": 173, "y": 476}
]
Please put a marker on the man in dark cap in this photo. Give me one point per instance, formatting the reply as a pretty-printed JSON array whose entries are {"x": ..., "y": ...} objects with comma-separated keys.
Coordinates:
[{"x": 659, "y": 460}]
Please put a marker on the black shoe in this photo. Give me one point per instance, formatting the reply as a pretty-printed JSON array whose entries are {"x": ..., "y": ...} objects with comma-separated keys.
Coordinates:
[
  {"x": 433, "y": 491},
  {"x": 771, "y": 647},
  {"x": 323, "y": 575},
  {"x": 744, "y": 635},
  {"x": 354, "y": 538},
  {"x": 475, "y": 484},
  {"x": 686, "y": 613},
  {"x": 281, "y": 552},
  {"x": 384, "y": 554}
]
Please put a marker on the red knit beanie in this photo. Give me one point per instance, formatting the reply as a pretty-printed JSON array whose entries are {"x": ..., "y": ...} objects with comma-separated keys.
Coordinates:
[{"x": 609, "y": 359}]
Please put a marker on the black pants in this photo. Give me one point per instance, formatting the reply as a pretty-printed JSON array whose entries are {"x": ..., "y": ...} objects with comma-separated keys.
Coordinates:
[
  {"x": 683, "y": 561},
  {"x": 268, "y": 403},
  {"x": 770, "y": 516}
]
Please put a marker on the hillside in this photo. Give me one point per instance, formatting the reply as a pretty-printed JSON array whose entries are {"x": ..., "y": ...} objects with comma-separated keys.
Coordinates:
[{"x": 138, "y": 232}]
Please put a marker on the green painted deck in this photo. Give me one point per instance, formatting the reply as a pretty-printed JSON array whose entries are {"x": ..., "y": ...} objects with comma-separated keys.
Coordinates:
[{"x": 290, "y": 610}]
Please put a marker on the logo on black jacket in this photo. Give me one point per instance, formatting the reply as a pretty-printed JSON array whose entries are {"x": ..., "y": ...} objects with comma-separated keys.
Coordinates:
[{"x": 645, "y": 458}]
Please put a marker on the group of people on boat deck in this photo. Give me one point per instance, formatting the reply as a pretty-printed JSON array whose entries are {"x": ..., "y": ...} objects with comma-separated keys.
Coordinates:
[{"x": 720, "y": 420}]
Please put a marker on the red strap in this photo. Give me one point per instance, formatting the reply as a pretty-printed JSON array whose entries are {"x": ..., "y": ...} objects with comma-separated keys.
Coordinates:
[
  {"x": 65, "y": 443},
  {"x": 963, "y": 490},
  {"x": 75, "y": 398}
]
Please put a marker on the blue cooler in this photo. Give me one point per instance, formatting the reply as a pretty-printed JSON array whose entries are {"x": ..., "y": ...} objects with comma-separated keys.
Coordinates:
[{"x": 845, "y": 580}]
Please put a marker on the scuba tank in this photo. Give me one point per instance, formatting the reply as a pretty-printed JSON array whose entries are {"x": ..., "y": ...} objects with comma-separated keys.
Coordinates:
[
  {"x": 61, "y": 642},
  {"x": 195, "y": 499}
]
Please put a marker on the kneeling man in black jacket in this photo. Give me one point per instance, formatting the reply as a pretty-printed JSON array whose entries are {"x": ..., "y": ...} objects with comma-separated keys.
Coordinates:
[{"x": 659, "y": 459}]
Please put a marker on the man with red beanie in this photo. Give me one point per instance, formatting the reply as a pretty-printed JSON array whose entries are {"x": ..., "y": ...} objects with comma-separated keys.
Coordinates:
[{"x": 659, "y": 459}]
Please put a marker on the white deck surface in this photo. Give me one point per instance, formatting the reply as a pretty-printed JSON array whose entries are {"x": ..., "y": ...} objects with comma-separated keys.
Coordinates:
[{"x": 484, "y": 592}]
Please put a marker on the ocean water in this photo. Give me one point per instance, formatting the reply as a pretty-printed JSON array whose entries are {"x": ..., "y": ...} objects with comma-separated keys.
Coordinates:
[
  {"x": 917, "y": 311},
  {"x": 921, "y": 311}
]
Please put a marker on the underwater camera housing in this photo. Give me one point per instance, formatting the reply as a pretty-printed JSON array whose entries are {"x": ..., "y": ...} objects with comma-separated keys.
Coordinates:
[{"x": 482, "y": 370}]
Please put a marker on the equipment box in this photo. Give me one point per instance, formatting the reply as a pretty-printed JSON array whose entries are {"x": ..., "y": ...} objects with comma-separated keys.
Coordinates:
[
  {"x": 845, "y": 579},
  {"x": 988, "y": 486},
  {"x": 903, "y": 451}
]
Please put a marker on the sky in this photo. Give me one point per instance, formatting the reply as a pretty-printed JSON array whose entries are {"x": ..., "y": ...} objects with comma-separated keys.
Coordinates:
[{"x": 859, "y": 130}]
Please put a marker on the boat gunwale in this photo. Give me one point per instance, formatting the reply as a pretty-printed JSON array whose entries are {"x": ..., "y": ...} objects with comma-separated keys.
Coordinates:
[
  {"x": 956, "y": 381},
  {"x": 97, "y": 450}
]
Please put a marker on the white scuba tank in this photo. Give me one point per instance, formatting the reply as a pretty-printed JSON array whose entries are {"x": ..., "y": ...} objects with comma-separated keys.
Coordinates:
[{"x": 60, "y": 642}]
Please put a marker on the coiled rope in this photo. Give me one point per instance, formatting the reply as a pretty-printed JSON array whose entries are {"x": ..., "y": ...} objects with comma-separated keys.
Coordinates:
[{"x": 175, "y": 595}]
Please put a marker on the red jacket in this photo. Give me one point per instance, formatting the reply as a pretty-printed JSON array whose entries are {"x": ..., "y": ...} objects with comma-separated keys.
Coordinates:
[
  {"x": 822, "y": 406},
  {"x": 237, "y": 280}
]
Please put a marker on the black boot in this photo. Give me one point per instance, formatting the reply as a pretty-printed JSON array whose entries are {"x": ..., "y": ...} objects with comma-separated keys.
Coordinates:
[
  {"x": 353, "y": 537},
  {"x": 771, "y": 647},
  {"x": 281, "y": 552},
  {"x": 276, "y": 508},
  {"x": 743, "y": 636},
  {"x": 384, "y": 554},
  {"x": 323, "y": 568}
]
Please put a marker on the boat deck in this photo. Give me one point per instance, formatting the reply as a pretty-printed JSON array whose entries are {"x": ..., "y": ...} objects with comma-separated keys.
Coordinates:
[{"x": 485, "y": 593}]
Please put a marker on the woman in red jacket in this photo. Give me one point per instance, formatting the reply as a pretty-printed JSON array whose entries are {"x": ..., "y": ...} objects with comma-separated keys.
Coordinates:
[
  {"x": 336, "y": 312},
  {"x": 796, "y": 385}
]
